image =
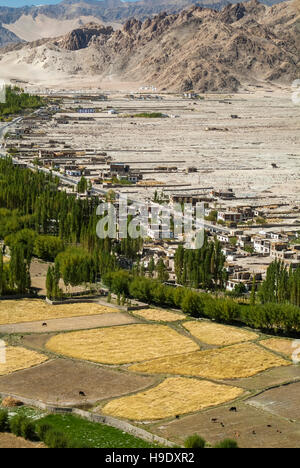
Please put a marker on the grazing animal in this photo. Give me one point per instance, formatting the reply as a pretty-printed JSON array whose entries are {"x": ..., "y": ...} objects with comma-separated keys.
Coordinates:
[
  {"x": 45, "y": 324},
  {"x": 214, "y": 420},
  {"x": 269, "y": 425},
  {"x": 82, "y": 394},
  {"x": 222, "y": 424},
  {"x": 237, "y": 434},
  {"x": 233, "y": 409},
  {"x": 177, "y": 416},
  {"x": 253, "y": 432}
]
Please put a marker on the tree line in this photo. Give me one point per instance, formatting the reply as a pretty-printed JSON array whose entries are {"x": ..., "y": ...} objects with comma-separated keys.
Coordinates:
[
  {"x": 276, "y": 318},
  {"x": 16, "y": 101},
  {"x": 202, "y": 268},
  {"x": 282, "y": 285},
  {"x": 37, "y": 219}
]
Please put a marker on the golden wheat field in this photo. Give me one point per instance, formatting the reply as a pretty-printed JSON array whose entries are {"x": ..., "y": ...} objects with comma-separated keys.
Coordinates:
[
  {"x": 172, "y": 397},
  {"x": 123, "y": 344},
  {"x": 237, "y": 361},
  {"x": 20, "y": 358},
  {"x": 279, "y": 345},
  {"x": 159, "y": 315},
  {"x": 30, "y": 310},
  {"x": 218, "y": 335}
]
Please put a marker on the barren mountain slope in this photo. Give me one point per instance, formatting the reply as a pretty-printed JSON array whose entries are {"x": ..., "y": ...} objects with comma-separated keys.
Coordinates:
[
  {"x": 34, "y": 22},
  {"x": 199, "y": 49},
  {"x": 29, "y": 28},
  {"x": 7, "y": 37}
]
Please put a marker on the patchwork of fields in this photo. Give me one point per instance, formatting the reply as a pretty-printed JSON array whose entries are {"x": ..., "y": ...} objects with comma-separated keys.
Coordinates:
[{"x": 153, "y": 366}]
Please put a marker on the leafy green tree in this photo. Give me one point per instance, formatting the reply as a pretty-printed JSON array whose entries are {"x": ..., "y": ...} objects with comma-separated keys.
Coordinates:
[
  {"x": 253, "y": 292},
  {"x": 162, "y": 272}
]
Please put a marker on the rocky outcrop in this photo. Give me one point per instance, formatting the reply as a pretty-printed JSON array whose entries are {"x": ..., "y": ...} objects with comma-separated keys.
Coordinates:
[{"x": 81, "y": 38}]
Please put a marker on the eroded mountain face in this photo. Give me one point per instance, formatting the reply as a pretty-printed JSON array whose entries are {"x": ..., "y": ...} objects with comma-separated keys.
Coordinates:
[
  {"x": 200, "y": 49},
  {"x": 31, "y": 23}
]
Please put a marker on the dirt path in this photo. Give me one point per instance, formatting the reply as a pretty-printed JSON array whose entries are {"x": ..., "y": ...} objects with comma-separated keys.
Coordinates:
[{"x": 72, "y": 323}]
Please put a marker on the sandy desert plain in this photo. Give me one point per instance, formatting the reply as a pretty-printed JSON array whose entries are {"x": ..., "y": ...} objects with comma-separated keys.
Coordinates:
[
  {"x": 227, "y": 152},
  {"x": 165, "y": 372}
]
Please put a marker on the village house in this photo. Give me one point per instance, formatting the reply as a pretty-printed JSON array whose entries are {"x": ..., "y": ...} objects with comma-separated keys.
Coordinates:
[
  {"x": 244, "y": 241},
  {"x": 121, "y": 172},
  {"x": 229, "y": 217},
  {"x": 225, "y": 194},
  {"x": 261, "y": 245},
  {"x": 280, "y": 250},
  {"x": 243, "y": 277},
  {"x": 73, "y": 171},
  {"x": 191, "y": 199},
  {"x": 229, "y": 253}
]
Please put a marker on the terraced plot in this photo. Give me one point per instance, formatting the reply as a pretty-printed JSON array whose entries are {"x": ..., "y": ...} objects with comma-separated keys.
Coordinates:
[
  {"x": 121, "y": 345},
  {"x": 30, "y": 310},
  {"x": 59, "y": 382},
  {"x": 280, "y": 345},
  {"x": 159, "y": 315},
  {"x": 232, "y": 362},
  {"x": 17, "y": 358},
  {"x": 219, "y": 335},
  {"x": 70, "y": 323},
  {"x": 172, "y": 397}
]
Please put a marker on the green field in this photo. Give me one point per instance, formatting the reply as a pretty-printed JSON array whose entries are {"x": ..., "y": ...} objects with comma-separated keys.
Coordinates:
[{"x": 93, "y": 435}]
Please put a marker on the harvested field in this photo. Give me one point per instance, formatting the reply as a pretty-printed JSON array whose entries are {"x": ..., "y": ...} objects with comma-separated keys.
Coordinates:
[
  {"x": 249, "y": 426},
  {"x": 243, "y": 360},
  {"x": 59, "y": 382},
  {"x": 71, "y": 323},
  {"x": 279, "y": 345},
  {"x": 10, "y": 441},
  {"x": 172, "y": 397},
  {"x": 30, "y": 310},
  {"x": 36, "y": 340},
  {"x": 281, "y": 401},
  {"x": 159, "y": 315},
  {"x": 120, "y": 345},
  {"x": 270, "y": 378},
  {"x": 218, "y": 335},
  {"x": 18, "y": 358}
]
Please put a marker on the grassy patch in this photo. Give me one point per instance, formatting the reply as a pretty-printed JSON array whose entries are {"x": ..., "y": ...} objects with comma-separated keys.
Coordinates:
[{"x": 93, "y": 435}]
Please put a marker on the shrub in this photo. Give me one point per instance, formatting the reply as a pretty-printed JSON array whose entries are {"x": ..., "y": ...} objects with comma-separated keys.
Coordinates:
[
  {"x": 227, "y": 444},
  {"x": 28, "y": 430},
  {"x": 16, "y": 424},
  {"x": 194, "y": 441},
  {"x": 56, "y": 440},
  {"x": 42, "y": 429},
  {"x": 4, "y": 425}
]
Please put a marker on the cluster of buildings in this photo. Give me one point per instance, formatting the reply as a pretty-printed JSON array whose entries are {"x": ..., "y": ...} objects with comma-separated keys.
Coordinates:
[
  {"x": 120, "y": 172},
  {"x": 250, "y": 235}
]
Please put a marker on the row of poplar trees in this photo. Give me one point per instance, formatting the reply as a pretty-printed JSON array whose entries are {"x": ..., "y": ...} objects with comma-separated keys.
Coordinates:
[
  {"x": 282, "y": 285},
  {"x": 202, "y": 268}
]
